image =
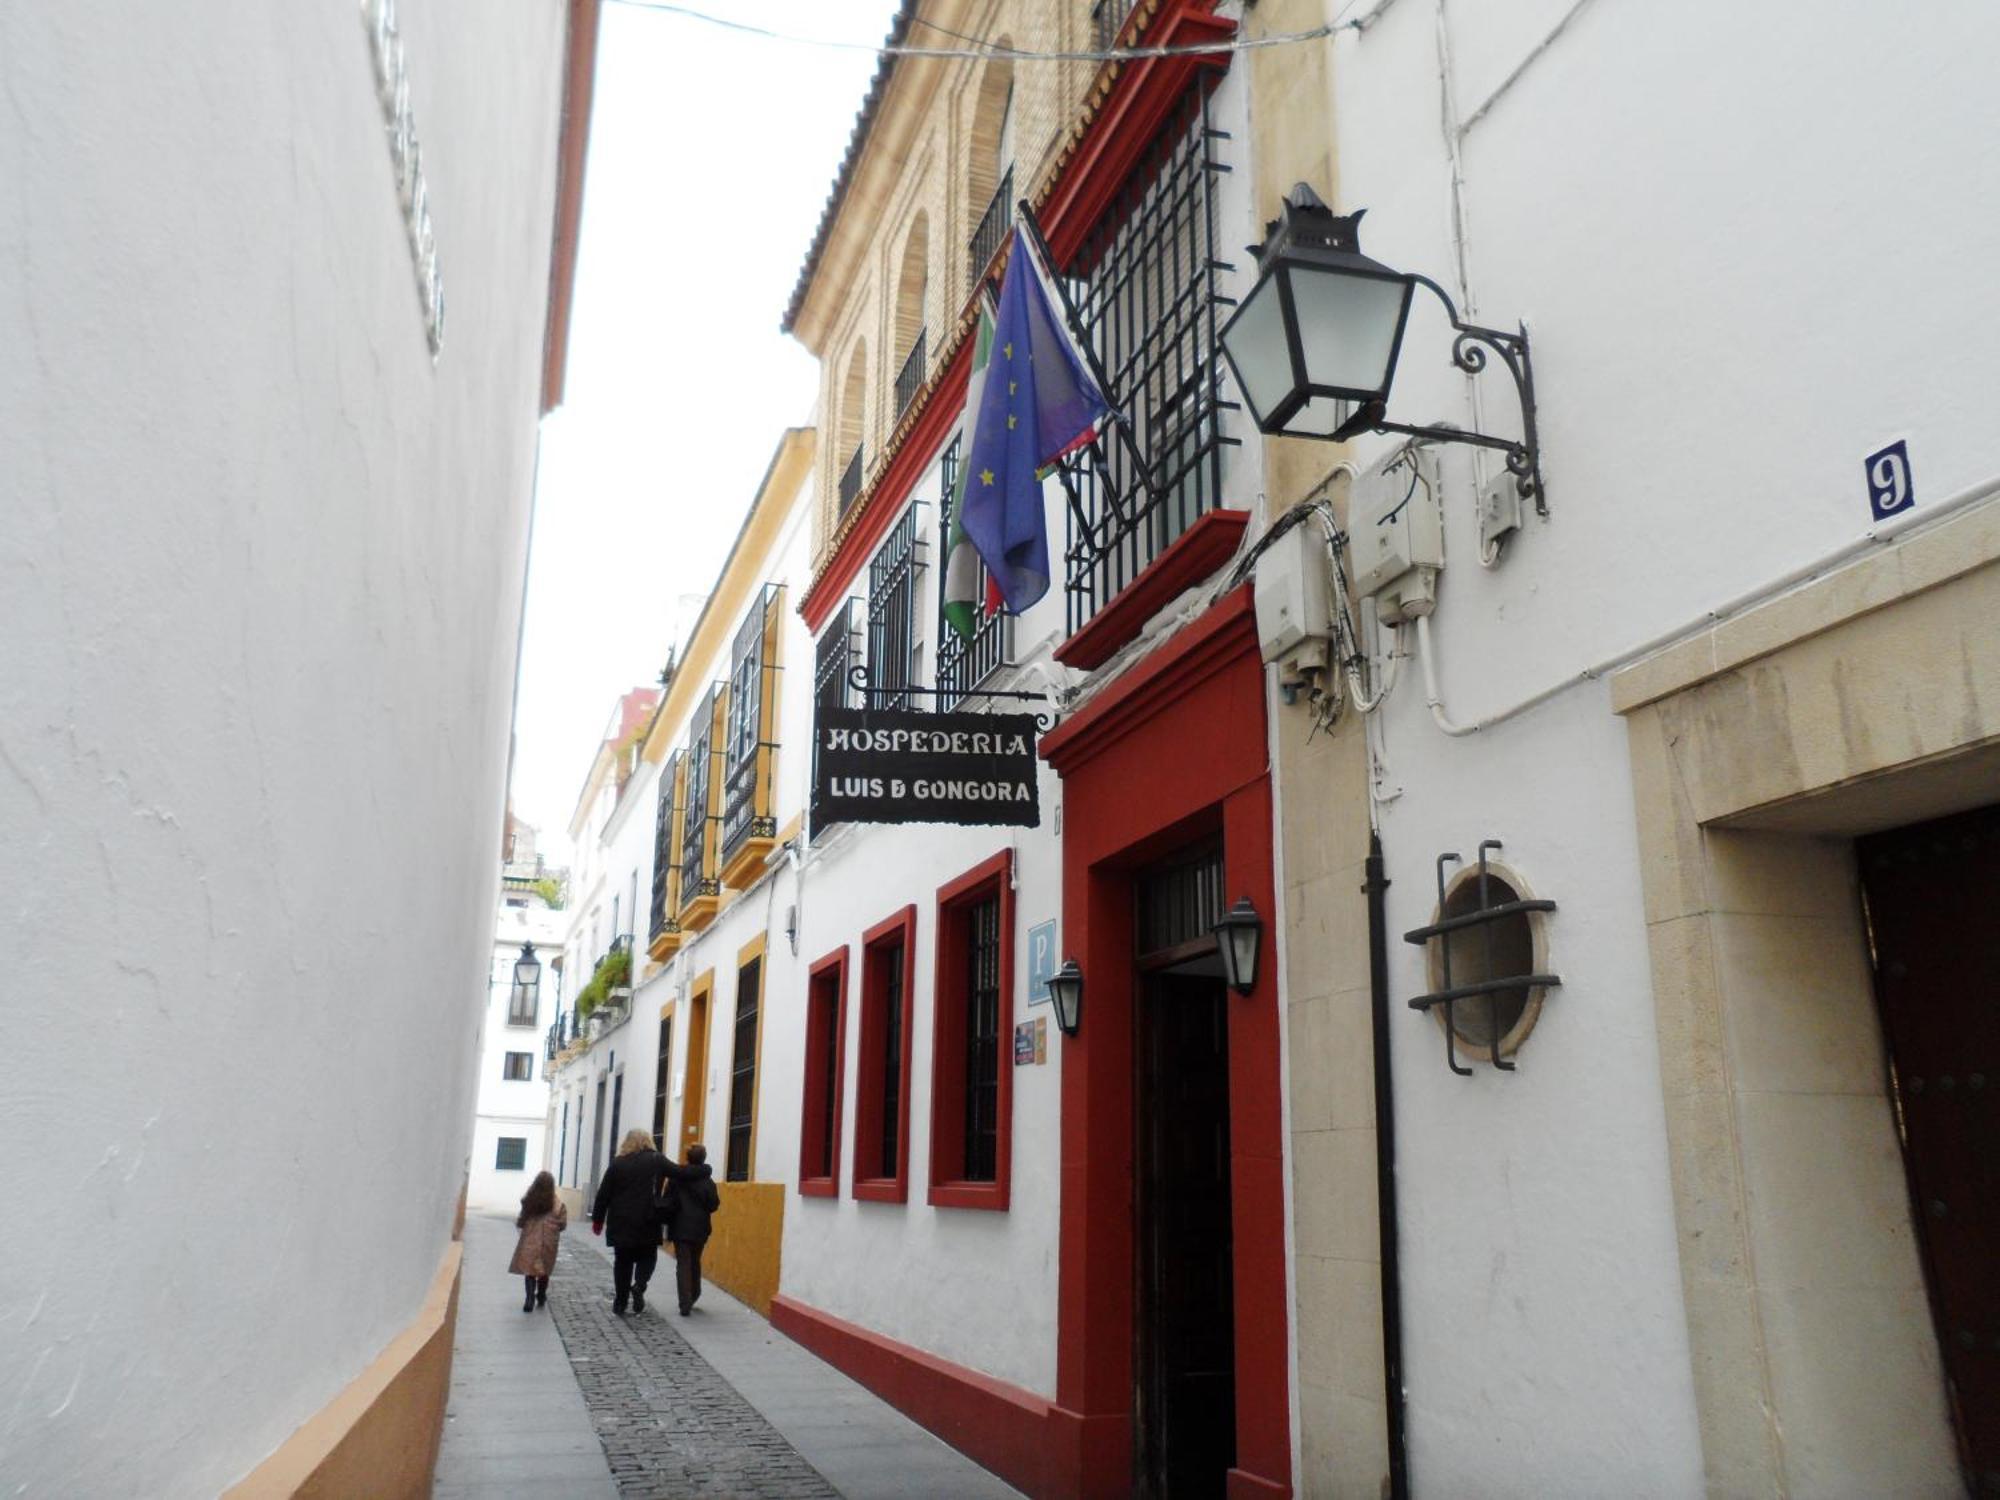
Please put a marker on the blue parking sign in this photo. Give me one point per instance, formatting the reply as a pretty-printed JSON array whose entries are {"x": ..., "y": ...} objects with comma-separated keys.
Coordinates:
[{"x": 1041, "y": 961}]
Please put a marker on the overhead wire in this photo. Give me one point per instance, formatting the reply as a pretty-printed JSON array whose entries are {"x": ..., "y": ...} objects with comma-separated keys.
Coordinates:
[{"x": 986, "y": 49}]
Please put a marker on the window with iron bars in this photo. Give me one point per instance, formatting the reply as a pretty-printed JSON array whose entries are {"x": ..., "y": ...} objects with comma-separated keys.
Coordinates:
[
  {"x": 1107, "y": 19},
  {"x": 963, "y": 665},
  {"x": 892, "y": 611},
  {"x": 746, "y": 782},
  {"x": 1147, "y": 289},
  {"x": 833, "y": 654},
  {"x": 698, "y": 877},
  {"x": 850, "y": 481},
  {"x": 992, "y": 230},
  {"x": 666, "y": 849},
  {"x": 910, "y": 379}
]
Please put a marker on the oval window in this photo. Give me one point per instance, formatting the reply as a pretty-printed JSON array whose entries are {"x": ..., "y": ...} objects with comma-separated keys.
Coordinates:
[{"x": 1516, "y": 943}]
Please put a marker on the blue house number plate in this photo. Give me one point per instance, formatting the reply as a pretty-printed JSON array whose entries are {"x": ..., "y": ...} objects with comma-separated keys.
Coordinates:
[{"x": 1890, "y": 491}]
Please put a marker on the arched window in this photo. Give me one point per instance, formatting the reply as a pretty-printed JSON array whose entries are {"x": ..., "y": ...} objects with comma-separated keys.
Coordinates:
[
  {"x": 990, "y": 174},
  {"x": 907, "y": 329},
  {"x": 848, "y": 428}
]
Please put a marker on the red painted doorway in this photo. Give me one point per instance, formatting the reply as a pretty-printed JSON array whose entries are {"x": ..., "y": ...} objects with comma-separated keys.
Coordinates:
[{"x": 1172, "y": 753}]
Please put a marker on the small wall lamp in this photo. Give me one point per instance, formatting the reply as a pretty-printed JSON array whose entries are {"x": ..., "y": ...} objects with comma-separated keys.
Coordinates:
[
  {"x": 1315, "y": 343},
  {"x": 1239, "y": 934},
  {"x": 1066, "y": 995}
]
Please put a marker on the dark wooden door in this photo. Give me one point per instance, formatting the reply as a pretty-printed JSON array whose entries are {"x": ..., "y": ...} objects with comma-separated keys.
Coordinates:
[
  {"x": 1933, "y": 893},
  {"x": 1186, "y": 1347}
]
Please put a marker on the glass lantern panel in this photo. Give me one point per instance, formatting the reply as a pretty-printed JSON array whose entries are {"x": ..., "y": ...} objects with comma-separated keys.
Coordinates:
[
  {"x": 1347, "y": 327},
  {"x": 1320, "y": 417},
  {"x": 1257, "y": 349}
]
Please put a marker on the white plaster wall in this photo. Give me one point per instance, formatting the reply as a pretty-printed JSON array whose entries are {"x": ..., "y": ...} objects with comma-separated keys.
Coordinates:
[
  {"x": 1751, "y": 249},
  {"x": 259, "y": 580}
]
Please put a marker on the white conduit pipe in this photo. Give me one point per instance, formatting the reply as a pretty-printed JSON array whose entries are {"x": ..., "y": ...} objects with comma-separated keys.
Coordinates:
[{"x": 1889, "y": 533}]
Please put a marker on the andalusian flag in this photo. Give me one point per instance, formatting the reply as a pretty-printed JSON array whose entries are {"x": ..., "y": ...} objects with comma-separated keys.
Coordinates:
[
  {"x": 1033, "y": 401},
  {"x": 962, "y": 573}
]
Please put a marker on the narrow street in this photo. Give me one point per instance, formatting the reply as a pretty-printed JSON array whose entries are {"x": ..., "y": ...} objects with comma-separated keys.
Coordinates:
[{"x": 577, "y": 1401}]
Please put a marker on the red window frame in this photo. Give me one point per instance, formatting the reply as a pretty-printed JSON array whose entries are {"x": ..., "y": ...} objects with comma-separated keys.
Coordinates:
[
  {"x": 869, "y": 1182},
  {"x": 825, "y": 1073},
  {"x": 948, "y": 1189}
]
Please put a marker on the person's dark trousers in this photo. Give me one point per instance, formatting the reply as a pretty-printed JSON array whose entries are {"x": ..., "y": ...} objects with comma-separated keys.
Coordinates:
[
  {"x": 687, "y": 1272},
  {"x": 630, "y": 1271}
]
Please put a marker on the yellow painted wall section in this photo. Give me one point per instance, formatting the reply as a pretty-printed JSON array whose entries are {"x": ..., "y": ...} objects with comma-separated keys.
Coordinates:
[{"x": 742, "y": 1253}]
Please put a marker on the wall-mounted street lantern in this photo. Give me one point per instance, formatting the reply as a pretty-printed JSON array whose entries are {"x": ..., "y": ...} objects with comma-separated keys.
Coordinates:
[
  {"x": 1239, "y": 934},
  {"x": 527, "y": 974},
  {"x": 1066, "y": 995},
  {"x": 1314, "y": 345}
]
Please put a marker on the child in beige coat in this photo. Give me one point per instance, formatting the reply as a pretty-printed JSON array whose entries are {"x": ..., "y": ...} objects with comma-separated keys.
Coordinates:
[{"x": 543, "y": 1219}]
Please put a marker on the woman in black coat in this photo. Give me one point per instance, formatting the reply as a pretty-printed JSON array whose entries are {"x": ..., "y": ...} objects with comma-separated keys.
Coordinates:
[{"x": 625, "y": 1215}]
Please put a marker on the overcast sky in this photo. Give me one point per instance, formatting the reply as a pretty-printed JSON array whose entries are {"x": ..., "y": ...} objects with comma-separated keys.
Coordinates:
[{"x": 710, "y": 158}]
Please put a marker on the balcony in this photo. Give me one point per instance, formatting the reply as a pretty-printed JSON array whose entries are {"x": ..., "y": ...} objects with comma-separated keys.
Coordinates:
[
  {"x": 701, "y": 814},
  {"x": 992, "y": 231},
  {"x": 910, "y": 379},
  {"x": 664, "y": 928},
  {"x": 850, "y": 482}
]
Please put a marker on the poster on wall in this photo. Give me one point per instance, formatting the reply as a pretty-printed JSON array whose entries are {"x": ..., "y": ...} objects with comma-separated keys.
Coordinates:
[{"x": 874, "y": 765}]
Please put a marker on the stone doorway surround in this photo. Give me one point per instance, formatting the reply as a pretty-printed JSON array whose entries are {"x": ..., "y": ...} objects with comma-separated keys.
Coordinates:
[{"x": 1761, "y": 747}]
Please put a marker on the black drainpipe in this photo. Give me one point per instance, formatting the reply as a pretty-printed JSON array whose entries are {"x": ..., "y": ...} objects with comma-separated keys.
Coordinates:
[{"x": 1385, "y": 1170}]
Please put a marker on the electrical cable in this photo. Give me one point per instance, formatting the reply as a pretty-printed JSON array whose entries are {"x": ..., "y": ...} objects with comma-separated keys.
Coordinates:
[{"x": 988, "y": 49}]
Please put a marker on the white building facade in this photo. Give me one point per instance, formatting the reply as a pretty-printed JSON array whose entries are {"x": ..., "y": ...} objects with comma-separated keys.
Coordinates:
[
  {"x": 266, "y": 525},
  {"x": 510, "y": 1120}
]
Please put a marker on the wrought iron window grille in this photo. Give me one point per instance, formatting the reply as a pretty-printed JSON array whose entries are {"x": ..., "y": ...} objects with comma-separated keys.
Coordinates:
[
  {"x": 1144, "y": 297},
  {"x": 910, "y": 379},
  {"x": 698, "y": 873},
  {"x": 850, "y": 481},
  {"x": 753, "y": 686},
  {"x": 992, "y": 231},
  {"x": 834, "y": 653},
  {"x": 892, "y": 608},
  {"x": 963, "y": 665},
  {"x": 982, "y": 1040},
  {"x": 1482, "y": 917},
  {"x": 1107, "y": 19},
  {"x": 666, "y": 849}
]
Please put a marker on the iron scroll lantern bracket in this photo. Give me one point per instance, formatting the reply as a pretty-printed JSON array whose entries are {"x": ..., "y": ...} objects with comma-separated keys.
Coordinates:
[
  {"x": 858, "y": 678},
  {"x": 1315, "y": 342},
  {"x": 1447, "y": 995},
  {"x": 1469, "y": 346}
]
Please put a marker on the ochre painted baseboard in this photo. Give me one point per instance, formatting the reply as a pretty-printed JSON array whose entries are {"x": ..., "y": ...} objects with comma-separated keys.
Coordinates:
[
  {"x": 1001, "y": 1426},
  {"x": 380, "y": 1436}
]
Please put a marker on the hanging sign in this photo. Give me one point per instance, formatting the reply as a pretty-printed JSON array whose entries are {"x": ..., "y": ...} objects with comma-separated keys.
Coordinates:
[{"x": 878, "y": 765}]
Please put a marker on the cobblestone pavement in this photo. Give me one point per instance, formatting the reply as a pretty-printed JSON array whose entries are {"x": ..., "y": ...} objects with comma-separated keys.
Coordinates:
[{"x": 669, "y": 1424}]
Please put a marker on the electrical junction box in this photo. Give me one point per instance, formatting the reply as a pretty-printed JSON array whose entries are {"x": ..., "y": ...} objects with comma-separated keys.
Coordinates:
[
  {"x": 1396, "y": 536},
  {"x": 1293, "y": 591}
]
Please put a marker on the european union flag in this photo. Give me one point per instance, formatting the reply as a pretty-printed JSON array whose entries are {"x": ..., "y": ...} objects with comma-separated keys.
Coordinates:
[{"x": 1039, "y": 403}]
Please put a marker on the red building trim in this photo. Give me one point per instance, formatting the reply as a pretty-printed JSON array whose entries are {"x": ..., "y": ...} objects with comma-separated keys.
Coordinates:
[
  {"x": 948, "y": 1189},
  {"x": 884, "y": 501},
  {"x": 1175, "y": 748},
  {"x": 1197, "y": 552},
  {"x": 1142, "y": 95},
  {"x": 998, "y": 1425},
  {"x": 867, "y": 1181},
  {"x": 823, "y": 1072}
]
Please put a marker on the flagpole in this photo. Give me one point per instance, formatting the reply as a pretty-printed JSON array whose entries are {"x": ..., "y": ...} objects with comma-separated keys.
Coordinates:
[{"x": 1081, "y": 335}]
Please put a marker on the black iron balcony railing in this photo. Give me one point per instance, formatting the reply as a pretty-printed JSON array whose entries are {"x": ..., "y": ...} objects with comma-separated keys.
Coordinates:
[
  {"x": 963, "y": 665},
  {"x": 910, "y": 379},
  {"x": 993, "y": 227},
  {"x": 850, "y": 481},
  {"x": 746, "y": 777}
]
